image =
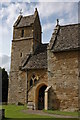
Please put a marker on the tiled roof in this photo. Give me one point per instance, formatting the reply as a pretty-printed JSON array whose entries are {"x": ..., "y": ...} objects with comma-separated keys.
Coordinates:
[
  {"x": 39, "y": 59},
  {"x": 24, "y": 21},
  {"x": 67, "y": 38},
  {"x": 64, "y": 38}
]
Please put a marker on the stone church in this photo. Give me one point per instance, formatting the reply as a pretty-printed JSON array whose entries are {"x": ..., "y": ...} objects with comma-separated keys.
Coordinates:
[{"x": 44, "y": 76}]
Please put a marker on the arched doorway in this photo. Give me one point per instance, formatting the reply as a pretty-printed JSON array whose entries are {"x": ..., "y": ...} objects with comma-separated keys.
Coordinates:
[{"x": 41, "y": 97}]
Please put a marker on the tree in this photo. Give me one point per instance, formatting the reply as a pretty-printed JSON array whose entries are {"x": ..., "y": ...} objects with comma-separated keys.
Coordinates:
[
  {"x": 0, "y": 85},
  {"x": 4, "y": 85}
]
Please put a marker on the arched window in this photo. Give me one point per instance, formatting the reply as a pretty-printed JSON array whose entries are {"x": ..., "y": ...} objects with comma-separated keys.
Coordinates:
[{"x": 31, "y": 82}]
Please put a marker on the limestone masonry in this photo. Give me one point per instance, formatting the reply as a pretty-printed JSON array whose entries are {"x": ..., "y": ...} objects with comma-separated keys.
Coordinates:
[{"x": 44, "y": 76}]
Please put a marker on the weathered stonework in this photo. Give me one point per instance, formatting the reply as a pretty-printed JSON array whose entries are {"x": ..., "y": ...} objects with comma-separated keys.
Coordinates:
[
  {"x": 63, "y": 77},
  {"x": 44, "y": 76},
  {"x": 21, "y": 48},
  {"x": 32, "y": 92},
  {"x": 79, "y": 80}
]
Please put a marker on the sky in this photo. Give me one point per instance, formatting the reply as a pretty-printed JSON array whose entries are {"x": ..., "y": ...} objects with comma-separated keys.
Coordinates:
[{"x": 64, "y": 10}]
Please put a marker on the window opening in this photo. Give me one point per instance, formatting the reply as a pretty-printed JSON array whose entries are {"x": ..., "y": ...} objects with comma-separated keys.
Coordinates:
[
  {"x": 31, "y": 82},
  {"x": 20, "y": 54},
  {"x": 22, "y": 33}
]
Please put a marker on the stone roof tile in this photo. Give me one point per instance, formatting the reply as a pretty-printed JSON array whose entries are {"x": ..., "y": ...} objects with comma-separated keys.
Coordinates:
[
  {"x": 39, "y": 59},
  {"x": 67, "y": 38},
  {"x": 24, "y": 21}
]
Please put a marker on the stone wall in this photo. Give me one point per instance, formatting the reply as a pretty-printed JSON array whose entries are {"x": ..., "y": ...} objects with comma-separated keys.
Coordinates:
[
  {"x": 37, "y": 32},
  {"x": 18, "y": 47},
  {"x": 21, "y": 47},
  {"x": 79, "y": 79},
  {"x": 63, "y": 77},
  {"x": 28, "y": 32},
  {"x": 18, "y": 88}
]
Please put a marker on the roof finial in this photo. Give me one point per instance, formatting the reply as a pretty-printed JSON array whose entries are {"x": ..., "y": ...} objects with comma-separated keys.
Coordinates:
[
  {"x": 36, "y": 12},
  {"x": 35, "y": 9},
  {"x": 57, "y": 22}
]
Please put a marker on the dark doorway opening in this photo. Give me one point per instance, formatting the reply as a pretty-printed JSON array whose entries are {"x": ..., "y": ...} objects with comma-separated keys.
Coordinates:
[{"x": 41, "y": 97}]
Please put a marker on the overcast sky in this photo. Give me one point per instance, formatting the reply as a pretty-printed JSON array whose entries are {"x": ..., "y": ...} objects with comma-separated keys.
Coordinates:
[{"x": 66, "y": 12}]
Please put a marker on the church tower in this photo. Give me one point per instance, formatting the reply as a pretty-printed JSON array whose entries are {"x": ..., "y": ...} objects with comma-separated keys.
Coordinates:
[{"x": 26, "y": 38}]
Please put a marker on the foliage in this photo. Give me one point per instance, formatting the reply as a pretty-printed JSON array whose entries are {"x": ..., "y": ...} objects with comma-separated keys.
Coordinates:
[{"x": 4, "y": 79}]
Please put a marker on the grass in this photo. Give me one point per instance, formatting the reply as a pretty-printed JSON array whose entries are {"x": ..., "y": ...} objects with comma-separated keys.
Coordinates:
[
  {"x": 13, "y": 112},
  {"x": 74, "y": 114},
  {"x": 42, "y": 119},
  {"x": 0, "y": 106}
]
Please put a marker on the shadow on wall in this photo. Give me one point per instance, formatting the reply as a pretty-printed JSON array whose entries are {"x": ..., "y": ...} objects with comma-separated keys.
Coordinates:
[{"x": 54, "y": 102}]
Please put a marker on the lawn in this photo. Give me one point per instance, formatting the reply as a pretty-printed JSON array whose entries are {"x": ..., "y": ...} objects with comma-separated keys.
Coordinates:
[
  {"x": 61, "y": 113},
  {"x": 0, "y": 106},
  {"x": 13, "y": 112}
]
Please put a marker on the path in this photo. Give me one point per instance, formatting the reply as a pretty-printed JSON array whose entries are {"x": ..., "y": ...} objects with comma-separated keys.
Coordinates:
[{"x": 40, "y": 112}]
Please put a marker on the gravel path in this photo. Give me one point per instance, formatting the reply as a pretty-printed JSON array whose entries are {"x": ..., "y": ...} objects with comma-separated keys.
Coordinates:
[{"x": 40, "y": 112}]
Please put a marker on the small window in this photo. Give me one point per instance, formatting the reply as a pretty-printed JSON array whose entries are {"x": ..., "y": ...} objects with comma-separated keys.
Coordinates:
[
  {"x": 20, "y": 54},
  {"x": 22, "y": 33},
  {"x": 31, "y": 82}
]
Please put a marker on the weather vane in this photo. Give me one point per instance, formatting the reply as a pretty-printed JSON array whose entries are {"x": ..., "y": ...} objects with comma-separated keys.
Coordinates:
[{"x": 20, "y": 12}]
